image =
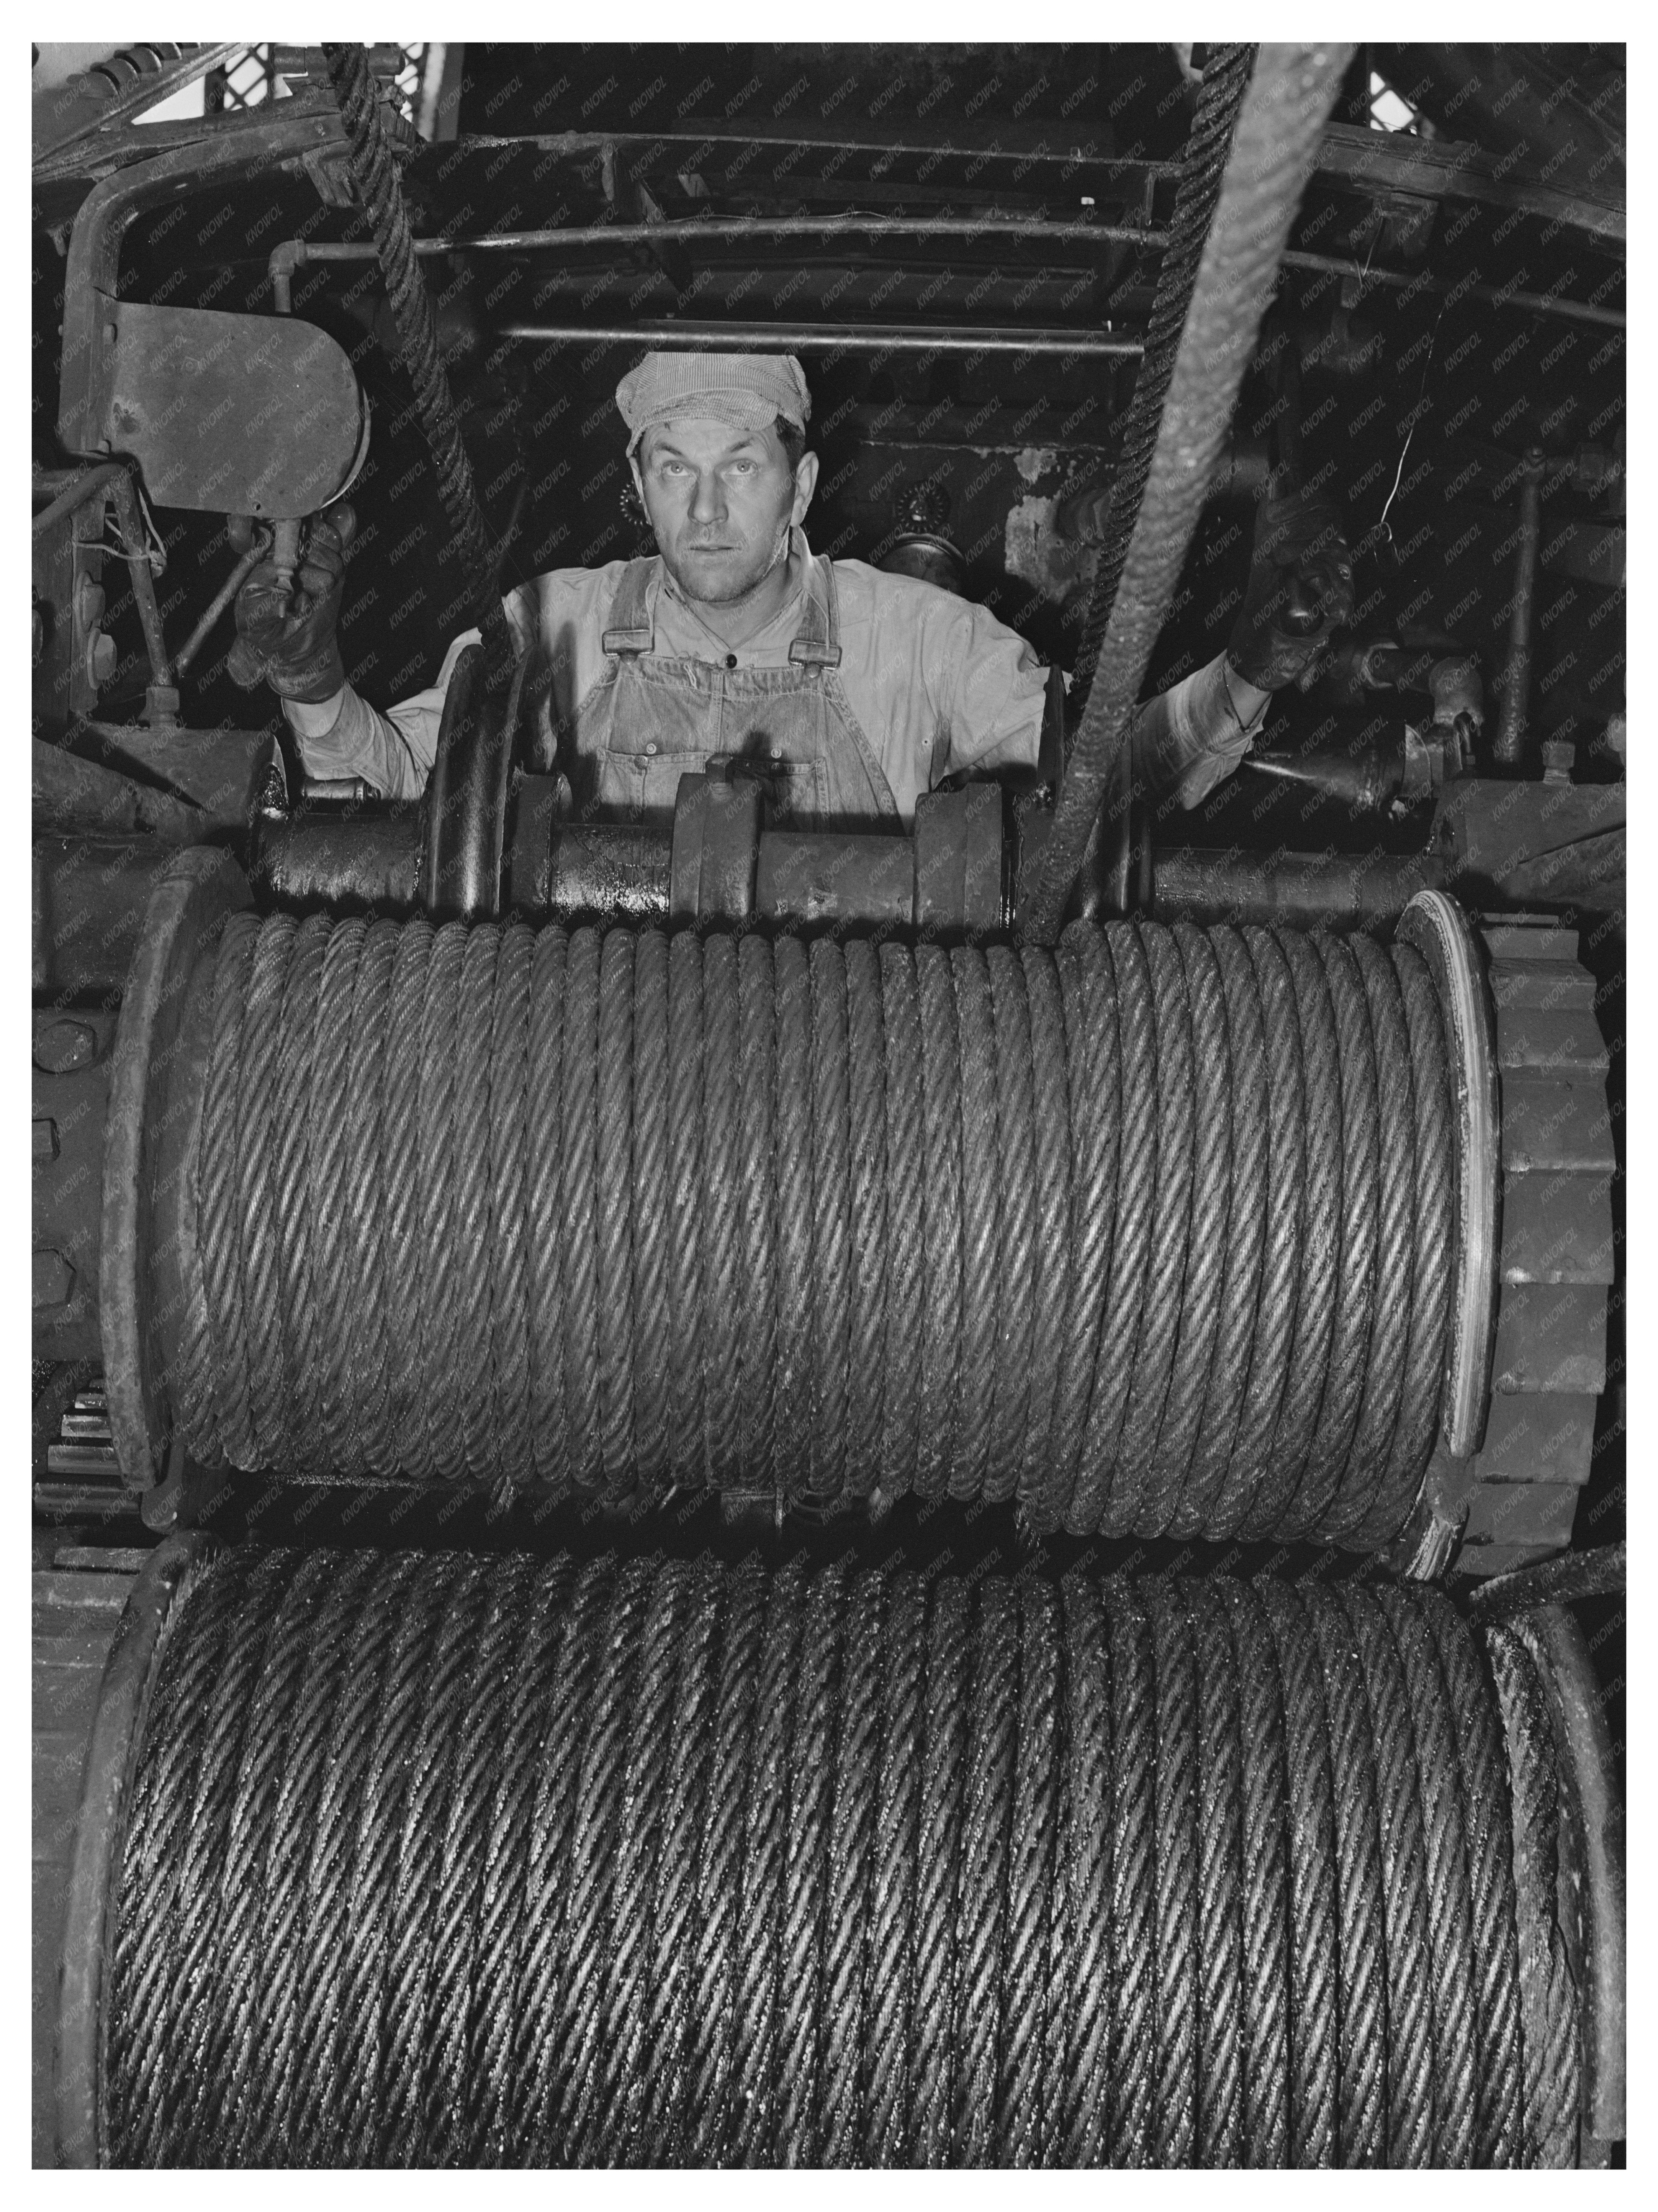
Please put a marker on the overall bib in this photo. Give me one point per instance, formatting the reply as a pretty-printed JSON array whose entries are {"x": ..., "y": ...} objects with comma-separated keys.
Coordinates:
[{"x": 648, "y": 719}]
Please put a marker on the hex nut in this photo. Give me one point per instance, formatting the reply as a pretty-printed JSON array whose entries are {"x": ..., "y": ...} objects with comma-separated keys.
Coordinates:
[
  {"x": 63, "y": 1046},
  {"x": 53, "y": 1280}
]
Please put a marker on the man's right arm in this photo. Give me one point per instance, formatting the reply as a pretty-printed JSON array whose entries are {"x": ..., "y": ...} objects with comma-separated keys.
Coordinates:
[
  {"x": 342, "y": 736},
  {"x": 345, "y": 737}
]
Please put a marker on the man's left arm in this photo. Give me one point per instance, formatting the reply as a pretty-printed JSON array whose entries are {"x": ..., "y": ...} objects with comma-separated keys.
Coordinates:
[
  {"x": 1191, "y": 737},
  {"x": 1187, "y": 738}
]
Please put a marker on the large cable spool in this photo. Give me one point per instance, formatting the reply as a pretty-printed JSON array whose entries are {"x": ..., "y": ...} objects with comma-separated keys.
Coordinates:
[
  {"x": 1167, "y": 1231},
  {"x": 446, "y": 1859}
]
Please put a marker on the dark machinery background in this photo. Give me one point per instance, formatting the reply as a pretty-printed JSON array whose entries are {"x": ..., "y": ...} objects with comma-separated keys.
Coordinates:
[{"x": 1444, "y": 355}]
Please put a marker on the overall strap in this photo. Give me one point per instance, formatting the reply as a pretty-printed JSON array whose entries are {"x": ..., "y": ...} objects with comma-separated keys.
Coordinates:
[
  {"x": 630, "y": 630},
  {"x": 817, "y": 643}
]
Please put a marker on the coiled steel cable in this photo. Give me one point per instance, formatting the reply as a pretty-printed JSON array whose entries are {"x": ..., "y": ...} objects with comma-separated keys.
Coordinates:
[
  {"x": 447, "y": 1860},
  {"x": 1109, "y": 1231}
]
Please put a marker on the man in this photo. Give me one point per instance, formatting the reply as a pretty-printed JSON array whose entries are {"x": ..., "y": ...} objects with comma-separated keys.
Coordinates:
[{"x": 852, "y": 690}]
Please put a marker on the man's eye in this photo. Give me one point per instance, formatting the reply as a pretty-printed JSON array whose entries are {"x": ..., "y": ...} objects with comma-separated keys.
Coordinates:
[{"x": 743, "y": 468}]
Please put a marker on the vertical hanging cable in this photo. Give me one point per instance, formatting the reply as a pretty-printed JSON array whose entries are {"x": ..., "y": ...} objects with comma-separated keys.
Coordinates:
[
  {"x": 1290, "y": 96},
  {"x": 1225, "y": 78},
  {"x": 380, "y": 192}
]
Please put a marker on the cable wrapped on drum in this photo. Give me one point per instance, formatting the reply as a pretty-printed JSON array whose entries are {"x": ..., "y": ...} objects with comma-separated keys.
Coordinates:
[
  {"x": 391, "y": 1858},
  {"x": 1152, "y": 1234}
]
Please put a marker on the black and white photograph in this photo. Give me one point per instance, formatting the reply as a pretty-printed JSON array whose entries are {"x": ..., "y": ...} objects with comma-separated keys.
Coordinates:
[{"x": 828, "y": 1005}]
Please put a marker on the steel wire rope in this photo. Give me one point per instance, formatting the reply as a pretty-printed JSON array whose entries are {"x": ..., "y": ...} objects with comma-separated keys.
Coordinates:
[
  {"x": 430, "y": 1859},
  {"x": 1215, "y": 1446},
  {"x": 652, "y": 1113},
  {"x": 1111, "y": 1490},
  {"x": 713, "y": 2003},
  {"x": 829, "y": 1173},
  {"x": 1335, "y": 1432},
  {"x": 1367, "y": 1459},
  {"x": 1314, "y": 2030},
  {"x": 983, "y": 1286},
  {"x": 368, "y": 1085},
  {"x": 612, "y": 1168},
  {"x": 1285, "y": 1221},
  {"x": 1486, "y": 1831},
  {"x": 550, "y": 1420},
  {"x": 509, "y": 1107},
  {"x": 435, "y": 1283},
  {"x": 1205, "y": 1237},
  {"x": 685, "y": 1233},
  {"x": 791, "y": 1163},
  {"x": 757, "y": 1090},
  {"x": 400, "y": 1157},
  {"x": 1175, "y": 1667},
  {"x": 1016, "y": 1259},
  {"x": 871, "y": 1259},
  {"x": 1450, "y": 1910},
  {"x": 310, "y": 1080},
  {"x": 1411, "y": 2086},
  {"x": 721, "y": 1228},
  {"x": 778, "y": 1245},
  {"x": 1046, "y": 1495},
  {"x": 900, "y": 1030},
  {"x": 470, "y": 1349},
  {"x": 1550, "y": 2049},
  {"x": 1095, "y": 1049},
  {"x": 1320, "y": 1247},
  {"x": 941, "y": 1319}
]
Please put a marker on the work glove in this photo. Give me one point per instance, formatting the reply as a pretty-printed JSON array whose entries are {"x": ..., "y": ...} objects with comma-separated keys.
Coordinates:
[
  {"x": 1300, "y": 590},
  {"x": 285, "y": 636}
]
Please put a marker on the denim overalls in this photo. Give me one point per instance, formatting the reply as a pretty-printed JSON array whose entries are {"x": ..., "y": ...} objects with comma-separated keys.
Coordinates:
[{"x": 649, "y": 719}]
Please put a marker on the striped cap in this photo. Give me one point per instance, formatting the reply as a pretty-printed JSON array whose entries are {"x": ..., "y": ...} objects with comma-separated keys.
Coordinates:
[{"x": 748, "y": 390}]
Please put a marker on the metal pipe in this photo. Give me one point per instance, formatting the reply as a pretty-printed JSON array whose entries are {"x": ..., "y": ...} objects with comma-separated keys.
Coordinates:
[
  {"x": 1308, "y": 890},
  {"x": 298, "y": 253},
  {"x": 76, "y": 492},
  {"x": 1516, "y": 669},
  {"x": 222, "y": 599},
  {"x": 810, "y": 338},
  {"x": 1499, "y": 295},
  {"x": 143, "y": 581},
  {"x": 114, "y": 479}
]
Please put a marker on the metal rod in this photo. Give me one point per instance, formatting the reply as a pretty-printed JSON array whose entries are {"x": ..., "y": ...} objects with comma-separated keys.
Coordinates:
[
  {"x": 143, "y": 580},
  {"x": 1500, "y": 295},
  {"x": 75, "y": 492},
  {"x": 113, "y": 479},
  {"x": 1602, "y": 1570},
  {"x": 803, "y": 338},
  {"x": 297, "y": 252},
  {"x": 1308, "y": 890},
  {"x": 222, "y": 599},
  {"x": 1516, "y": 669}
]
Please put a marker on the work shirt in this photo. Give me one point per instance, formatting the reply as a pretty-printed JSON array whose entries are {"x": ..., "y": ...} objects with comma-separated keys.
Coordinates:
[{"x": 938, "y": 686}]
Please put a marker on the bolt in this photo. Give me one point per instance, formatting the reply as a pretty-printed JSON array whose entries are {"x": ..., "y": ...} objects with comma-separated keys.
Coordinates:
[
  {"x": 46, "y": 1137},
  {"x": 53, "y": 1280},
  {"x": 62, "y": 1046}
]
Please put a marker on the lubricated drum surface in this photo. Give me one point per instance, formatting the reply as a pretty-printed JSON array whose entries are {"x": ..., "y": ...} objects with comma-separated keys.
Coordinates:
[
  {"x": 457, "y": 1860},
  {"x": 1154, "y": 1233}
]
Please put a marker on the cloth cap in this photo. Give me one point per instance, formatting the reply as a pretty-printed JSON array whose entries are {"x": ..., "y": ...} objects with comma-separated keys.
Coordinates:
[{"x": 748, "y": 390}]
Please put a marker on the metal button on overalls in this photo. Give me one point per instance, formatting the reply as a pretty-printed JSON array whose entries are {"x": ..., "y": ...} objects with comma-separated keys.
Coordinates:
[{"x": 650, "y": 718}]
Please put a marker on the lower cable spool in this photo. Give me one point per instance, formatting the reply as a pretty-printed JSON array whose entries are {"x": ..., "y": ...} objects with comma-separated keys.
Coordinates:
[
  {"x": 1158, "y": 1233},
  {"x": 394, "y": 1859}
]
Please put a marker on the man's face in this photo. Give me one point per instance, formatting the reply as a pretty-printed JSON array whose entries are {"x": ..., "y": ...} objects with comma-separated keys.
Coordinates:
[{"x": 721, "y": 501}]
